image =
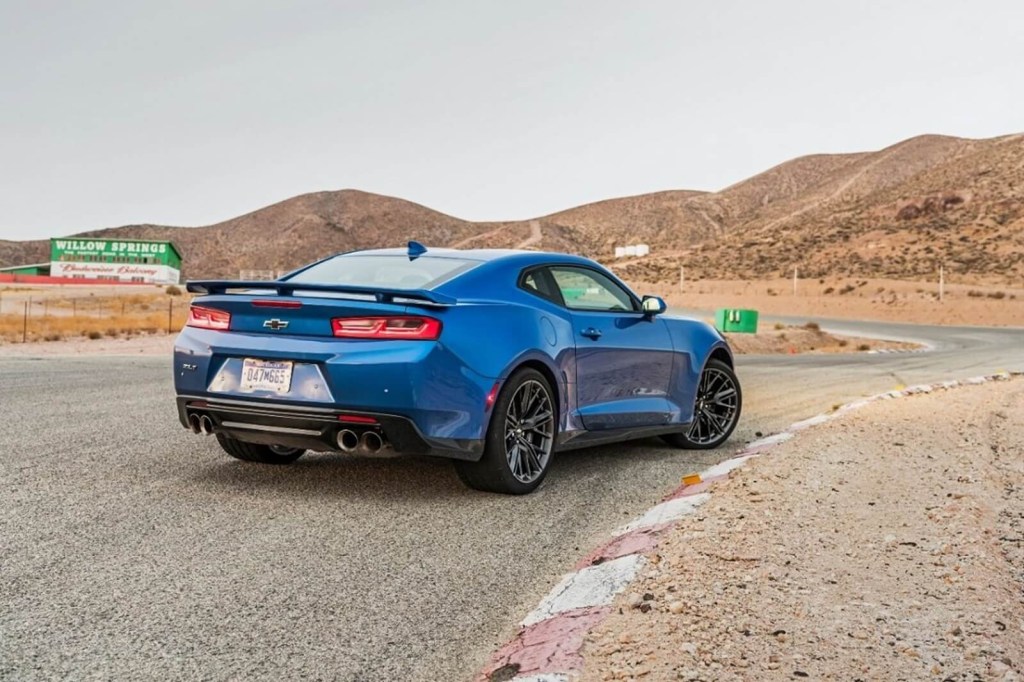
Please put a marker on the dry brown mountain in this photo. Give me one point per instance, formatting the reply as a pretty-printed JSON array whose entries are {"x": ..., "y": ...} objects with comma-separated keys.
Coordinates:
[
  {"x": 898, "y": 212},
  {"x": 284, "y": 235}
]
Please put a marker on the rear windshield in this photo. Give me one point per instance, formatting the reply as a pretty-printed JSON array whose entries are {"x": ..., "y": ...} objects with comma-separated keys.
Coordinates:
[{"x": 391, "y": 272}]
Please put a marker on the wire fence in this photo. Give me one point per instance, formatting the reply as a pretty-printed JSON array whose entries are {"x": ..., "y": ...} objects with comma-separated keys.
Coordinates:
[{"x": 25, "y": 318}]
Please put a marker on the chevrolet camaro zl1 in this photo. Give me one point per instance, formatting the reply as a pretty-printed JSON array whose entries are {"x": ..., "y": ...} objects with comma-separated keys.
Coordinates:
[{"x": 494, "y": 359}]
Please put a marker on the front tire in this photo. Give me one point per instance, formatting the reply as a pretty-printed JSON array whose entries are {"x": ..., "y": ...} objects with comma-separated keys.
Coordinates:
[
  {"x": 257, "y": 452},
  {"x": 716, "y": 409},
  {"x": 520, "y": 439}
]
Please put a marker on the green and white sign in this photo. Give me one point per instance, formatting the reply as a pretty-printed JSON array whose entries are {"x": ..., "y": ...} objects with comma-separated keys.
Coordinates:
[{"x": 115, "y": 260}]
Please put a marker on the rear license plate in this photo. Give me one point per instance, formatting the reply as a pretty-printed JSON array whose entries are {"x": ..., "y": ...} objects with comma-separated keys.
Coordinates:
[{"x": 266, "y": 375}]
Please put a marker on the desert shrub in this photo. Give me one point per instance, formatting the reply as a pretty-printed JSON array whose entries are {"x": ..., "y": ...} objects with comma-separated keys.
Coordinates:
[
  {"x": 843, "y": 343},
  {"x": 908, "y": 212},
  {"x": 847, "y": 289},
  {"x": 997, "y": 295},
  {"x": 173, "y": 290},
  {"x": 53, "y": 337},
  {"x": 829, "y": 290},
  {"x": 94, "y": 335},
  {"x": 779, "y": 325},
  {"x": 813, "y": 326},
  {"x": 863, "y": 346},
  {"x": 974, "y": 293}
]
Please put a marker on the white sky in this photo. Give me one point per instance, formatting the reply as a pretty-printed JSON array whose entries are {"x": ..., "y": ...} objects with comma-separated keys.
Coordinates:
[{"x": 189, "y": 112}]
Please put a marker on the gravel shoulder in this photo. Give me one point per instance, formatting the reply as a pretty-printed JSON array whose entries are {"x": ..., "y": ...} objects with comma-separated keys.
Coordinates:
[
  {"x": 885, "y": 545},
  {"x": 145, "y": 344}
]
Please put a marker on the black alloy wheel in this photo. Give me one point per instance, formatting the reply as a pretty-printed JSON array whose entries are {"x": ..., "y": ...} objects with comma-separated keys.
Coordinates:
[
  {"x": 520, "y": 440},
  {"x": 716, "y": 409}
]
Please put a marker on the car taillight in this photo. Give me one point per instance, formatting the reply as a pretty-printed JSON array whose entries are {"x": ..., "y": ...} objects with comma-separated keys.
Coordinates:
[
  {"x": 405, "y": 327},
  {"x": 208, "y": 318}
]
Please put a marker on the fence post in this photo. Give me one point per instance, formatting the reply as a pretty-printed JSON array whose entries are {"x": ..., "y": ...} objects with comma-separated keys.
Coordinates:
[
  {"x": 170, "y": 315},
  {"x": 24, "y": 325}
]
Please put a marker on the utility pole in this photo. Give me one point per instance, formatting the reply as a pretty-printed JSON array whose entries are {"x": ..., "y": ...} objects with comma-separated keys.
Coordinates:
[{"x": 942, "y": 282}]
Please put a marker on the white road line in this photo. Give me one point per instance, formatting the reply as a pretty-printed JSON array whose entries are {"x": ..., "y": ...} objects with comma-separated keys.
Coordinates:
[
  {"x": 671, "y": 510},
  {"x": 588, "y": 587}
]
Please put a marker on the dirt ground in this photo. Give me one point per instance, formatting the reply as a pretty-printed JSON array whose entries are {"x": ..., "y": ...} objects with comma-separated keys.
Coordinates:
[
  {"x": 886, "y": 545},
  {"x": 807, "y": 339},
  {"x": 147, "y": 344},
  {"x": 853, "y": 298}
]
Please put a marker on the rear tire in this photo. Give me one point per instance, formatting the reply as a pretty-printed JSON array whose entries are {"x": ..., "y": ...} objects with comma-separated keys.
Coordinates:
[
  {"x": 716, "y": 409},
  {"x": 520, "y": 439},
  {"x": 257, "y": 452}
]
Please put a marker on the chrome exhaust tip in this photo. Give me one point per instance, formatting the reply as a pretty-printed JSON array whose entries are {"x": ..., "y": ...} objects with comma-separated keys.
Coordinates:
[
  {"x": 193, "y": 422},
  {"x": 372, "y": 441},
  {"x": 347, "y": 440},
  {"x": 205, "y": 425}
]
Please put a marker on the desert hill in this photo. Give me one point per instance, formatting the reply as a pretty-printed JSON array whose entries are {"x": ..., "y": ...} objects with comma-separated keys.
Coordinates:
[
  {"x": 899, "y": 212},
  {"x": 284, "y": 235}
]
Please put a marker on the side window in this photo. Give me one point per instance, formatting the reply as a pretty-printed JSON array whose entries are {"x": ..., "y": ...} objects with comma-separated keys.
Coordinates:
[
  {"x": 584, "y": 289},
  {"x": 537, "y": 283}
]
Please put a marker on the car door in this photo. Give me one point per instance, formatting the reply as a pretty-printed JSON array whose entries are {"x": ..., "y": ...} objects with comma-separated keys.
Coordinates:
[{"x": 623, "y": 356}]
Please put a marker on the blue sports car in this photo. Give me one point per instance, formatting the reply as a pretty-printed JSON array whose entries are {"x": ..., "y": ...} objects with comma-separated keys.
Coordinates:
[{"x": 494, "y": 359}]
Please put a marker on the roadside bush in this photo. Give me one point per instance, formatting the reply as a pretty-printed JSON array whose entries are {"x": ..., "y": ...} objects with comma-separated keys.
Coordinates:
[
  {"x": 813, "y": 326},
  {"x": 94, "y": 335},
  {"x": 847, "y": 289},
  {"x": 863, "y": 346},
  {"x": 829, "y": 290},
  {"x": 173, "y": 290},
  {"x": 779, "y": 325},
  {"x": 998, "y": 295},
  {"x": 53, "y": 337}
]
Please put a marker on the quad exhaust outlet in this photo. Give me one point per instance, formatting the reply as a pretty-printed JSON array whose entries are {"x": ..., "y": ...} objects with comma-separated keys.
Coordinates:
[
  {"x": 348, "y": 440},
  {"x": 372, "y": 442}
]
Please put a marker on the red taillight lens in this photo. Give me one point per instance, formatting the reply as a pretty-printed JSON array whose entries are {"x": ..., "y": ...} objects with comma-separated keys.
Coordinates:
[
  {"x": 405, "y": 327},
  {"x": 208, "y": 318}
]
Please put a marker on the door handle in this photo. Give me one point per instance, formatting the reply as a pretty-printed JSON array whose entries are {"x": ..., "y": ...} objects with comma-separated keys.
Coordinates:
[{"x": 592, "y": 333}]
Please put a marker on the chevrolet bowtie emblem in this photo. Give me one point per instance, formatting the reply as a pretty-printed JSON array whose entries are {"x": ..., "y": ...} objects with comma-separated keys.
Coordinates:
[{"x": 275, "y": 324}]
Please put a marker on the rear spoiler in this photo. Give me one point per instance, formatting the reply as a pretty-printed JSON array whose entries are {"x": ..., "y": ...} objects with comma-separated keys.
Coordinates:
[{"x": 421, "y": 297}]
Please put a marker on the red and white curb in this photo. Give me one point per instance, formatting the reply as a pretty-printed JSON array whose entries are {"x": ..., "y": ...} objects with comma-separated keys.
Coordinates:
[{"x": 547, "y": 646}]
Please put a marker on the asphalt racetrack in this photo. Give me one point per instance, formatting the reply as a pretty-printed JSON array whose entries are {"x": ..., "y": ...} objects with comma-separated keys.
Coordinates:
[{"x": 132, "y": 549}]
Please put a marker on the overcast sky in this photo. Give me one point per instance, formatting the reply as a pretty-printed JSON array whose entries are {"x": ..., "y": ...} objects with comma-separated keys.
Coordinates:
[{"x": 188, "y": 113}]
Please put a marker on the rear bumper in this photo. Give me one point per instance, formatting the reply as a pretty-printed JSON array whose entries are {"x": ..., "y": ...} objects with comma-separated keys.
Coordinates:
[{"x": 315, "y": 427}]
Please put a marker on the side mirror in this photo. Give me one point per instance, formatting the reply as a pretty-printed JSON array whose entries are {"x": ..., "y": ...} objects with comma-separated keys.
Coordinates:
[{"x": 652, "y": 305}]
